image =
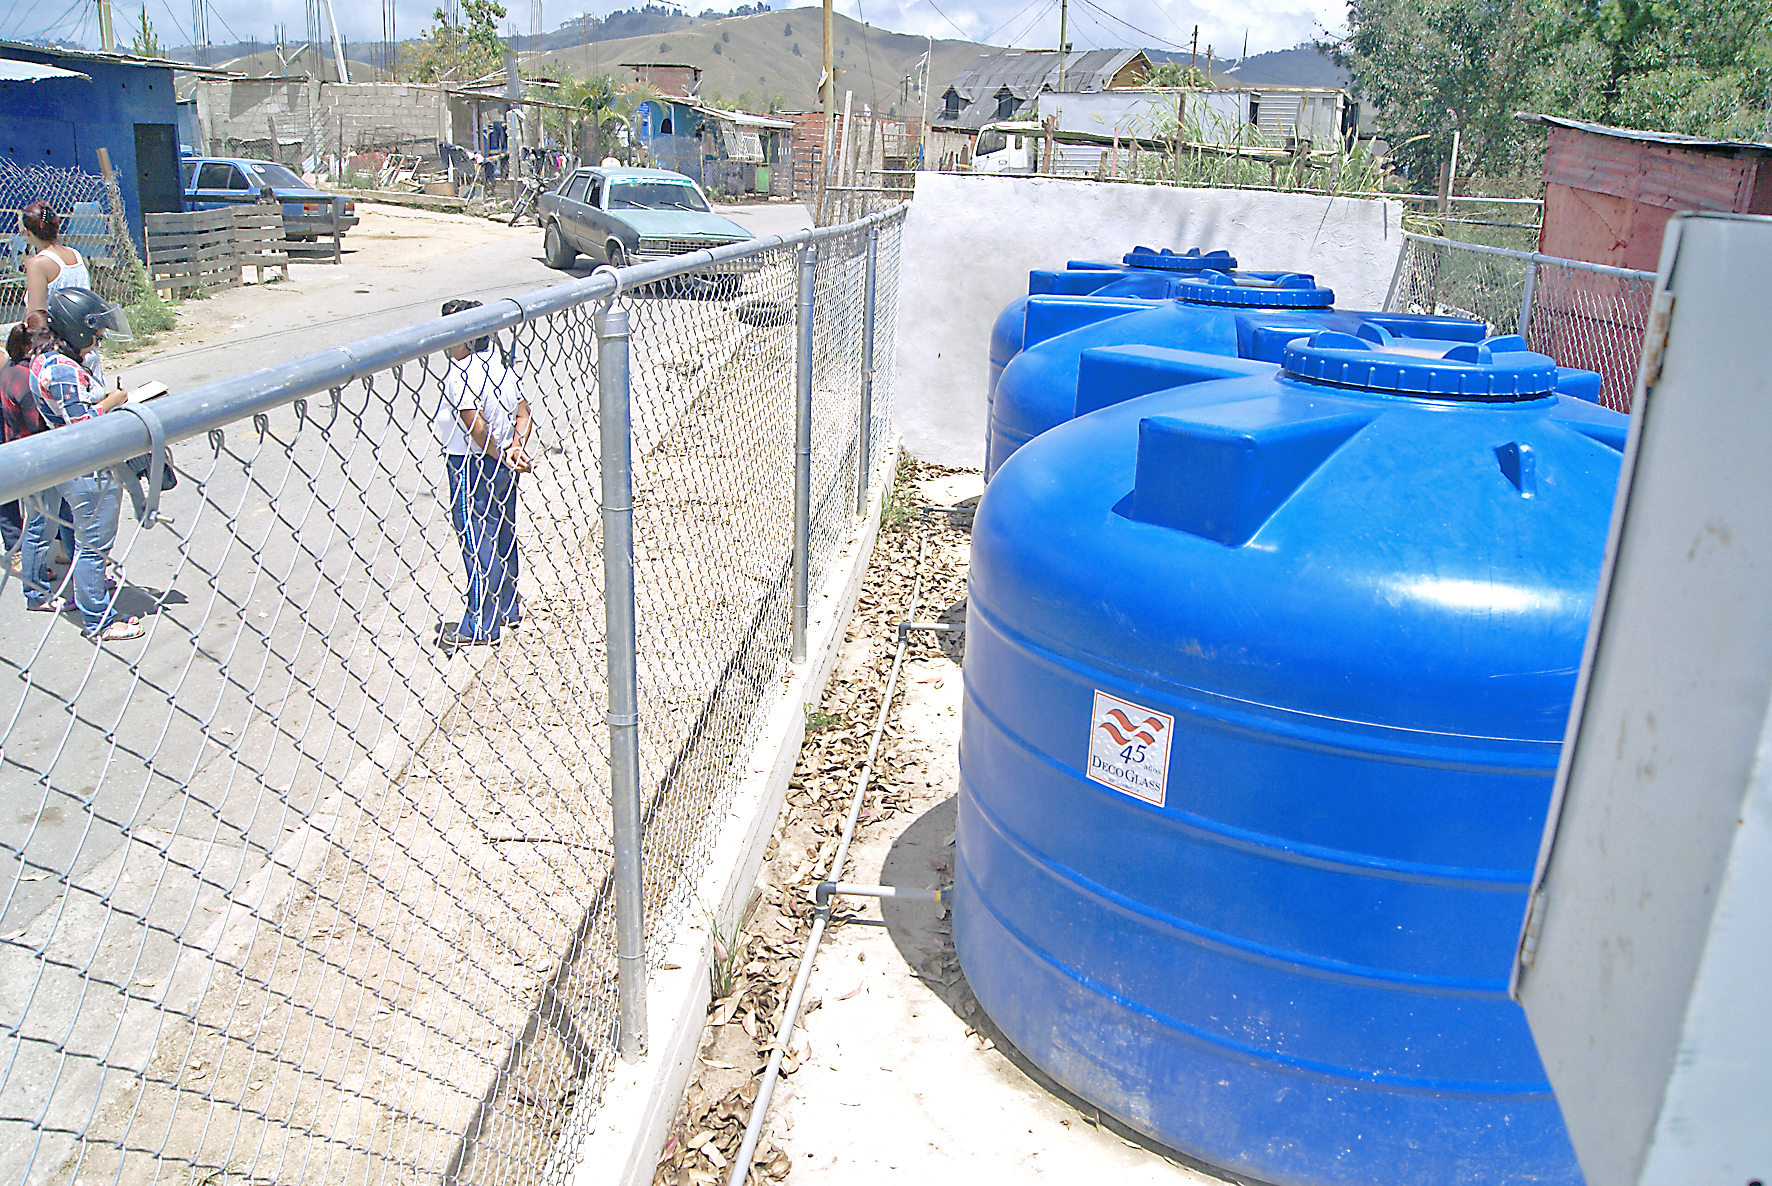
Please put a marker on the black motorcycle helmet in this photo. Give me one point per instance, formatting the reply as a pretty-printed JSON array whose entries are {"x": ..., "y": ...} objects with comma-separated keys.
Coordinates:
[{"x": 76, "y": 315}]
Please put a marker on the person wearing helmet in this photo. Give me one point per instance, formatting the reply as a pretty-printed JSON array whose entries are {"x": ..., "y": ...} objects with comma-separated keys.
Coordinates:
[
  {"x": 19, "y": 419},
  {"x": 67, "y": 394}
]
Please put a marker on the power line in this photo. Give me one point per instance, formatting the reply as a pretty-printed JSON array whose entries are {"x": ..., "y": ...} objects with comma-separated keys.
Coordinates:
[
  {"x": 18, "y": 22},
  {"x": 964, "y": 35},
  {"x": 1015, "y": 18},
  {"x": 1141, "y": 32},
  {"x": 1027, "y": 29}
]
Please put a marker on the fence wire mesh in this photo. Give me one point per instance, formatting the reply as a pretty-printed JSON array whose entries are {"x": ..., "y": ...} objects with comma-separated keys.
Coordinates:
[
  {"x": 291, "y": 893},
  {"x": 89, "y": 224},
  {"x": 1581, "y": 314}
]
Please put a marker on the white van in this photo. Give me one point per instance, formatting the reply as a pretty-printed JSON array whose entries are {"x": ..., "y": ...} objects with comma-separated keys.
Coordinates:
[{"x": 1008, "y": 146}]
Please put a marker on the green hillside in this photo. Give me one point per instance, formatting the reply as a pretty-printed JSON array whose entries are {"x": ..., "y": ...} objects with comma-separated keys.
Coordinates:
[{"x": 755, "y": 66}]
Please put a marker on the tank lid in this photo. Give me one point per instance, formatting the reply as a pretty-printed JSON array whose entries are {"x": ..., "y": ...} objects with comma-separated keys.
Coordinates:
[
  {"x": 1495, "y": 370},
  {"x": 1168, "y": 261},
  {"x": 1254, "y": 290}
]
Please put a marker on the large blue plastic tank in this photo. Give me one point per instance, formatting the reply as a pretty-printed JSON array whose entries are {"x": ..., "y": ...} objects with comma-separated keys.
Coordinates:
[
  {"x": 1141, "y": 276},
  {"x": 1266, "y": 680},
  {"x": 1243, "y": 315}
]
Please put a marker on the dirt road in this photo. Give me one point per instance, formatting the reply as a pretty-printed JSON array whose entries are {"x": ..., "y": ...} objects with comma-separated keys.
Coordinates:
[{"x": 399, "y": 266}]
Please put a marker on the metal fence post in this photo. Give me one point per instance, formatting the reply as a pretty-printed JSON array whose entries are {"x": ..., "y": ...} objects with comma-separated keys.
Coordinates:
[
  {"x": 1525, "y": 325},
  {"x": 863, "y": 459},
  {"x": 622, "y": 714},
  {"x": 803, "y": 449}
]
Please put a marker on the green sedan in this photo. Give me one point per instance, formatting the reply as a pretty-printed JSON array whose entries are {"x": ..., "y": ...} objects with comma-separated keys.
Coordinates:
[{"x": 629, "y": 216}]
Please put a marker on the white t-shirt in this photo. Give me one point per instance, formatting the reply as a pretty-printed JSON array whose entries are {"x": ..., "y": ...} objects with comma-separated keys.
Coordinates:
[{"x": 480, "y": 382}]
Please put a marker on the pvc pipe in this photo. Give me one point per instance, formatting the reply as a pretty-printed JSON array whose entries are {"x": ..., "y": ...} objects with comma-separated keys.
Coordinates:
[
  {"x": 741, "y": 1164},
  {"x": 826, "y": 890}
]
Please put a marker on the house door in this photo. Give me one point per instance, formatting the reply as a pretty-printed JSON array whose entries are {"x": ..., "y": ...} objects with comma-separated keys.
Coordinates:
[{"x": 156, "y": 168}]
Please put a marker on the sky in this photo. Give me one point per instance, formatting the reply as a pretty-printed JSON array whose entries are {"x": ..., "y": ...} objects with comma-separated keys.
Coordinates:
[{"x": 1151, "y": 24}]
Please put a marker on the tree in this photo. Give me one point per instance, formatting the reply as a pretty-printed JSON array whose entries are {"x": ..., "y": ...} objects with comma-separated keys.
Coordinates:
[
  {"x": 146, "y": 44},
  {"x": 472, "y": 49},
  {"x": 1703, "y": 67},
  {"x": 1175, "y": 74}
]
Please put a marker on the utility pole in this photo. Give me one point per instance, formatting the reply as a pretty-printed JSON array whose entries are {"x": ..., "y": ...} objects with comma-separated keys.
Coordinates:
[
  {"x": 1193, "y": 60},
  {"x": 1064, "y": 15},
  {"x": 828, "y": 95},
  {"x": 923, "y": 127},
  {"x": 107, "y": 35},
  {"x": 338, "y": 49}
]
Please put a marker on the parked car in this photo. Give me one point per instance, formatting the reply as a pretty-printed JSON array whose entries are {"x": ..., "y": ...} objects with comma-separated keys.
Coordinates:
[
  {"x": 629, "y": 216},
  {"x": 213, "y": 182}
]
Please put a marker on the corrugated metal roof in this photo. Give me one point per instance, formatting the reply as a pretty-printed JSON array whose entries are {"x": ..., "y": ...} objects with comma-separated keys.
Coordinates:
[
  {"x": 1025, "y": 73},
  {"x": 88, "y": 55},
  {"x": 1673, "y": 139},
  {"x": 745, "y": 119},
  {"x": 15, "y": 71}
]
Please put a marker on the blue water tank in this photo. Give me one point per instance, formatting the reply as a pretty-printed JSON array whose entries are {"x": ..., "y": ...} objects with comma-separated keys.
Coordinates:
[
  {"x": 1141, "y": 276},
  {"x": 1244, "y": 315},
  {"x": 1266, "y": 680}
]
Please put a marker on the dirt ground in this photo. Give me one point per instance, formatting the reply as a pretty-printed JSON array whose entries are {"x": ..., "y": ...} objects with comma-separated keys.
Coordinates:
[
  {"x": 895, "y": 1074},
  {"x": 399, "y": 265}
]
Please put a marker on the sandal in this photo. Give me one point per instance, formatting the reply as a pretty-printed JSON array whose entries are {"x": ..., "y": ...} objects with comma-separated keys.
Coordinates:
[
  {"x": 122, "y": 631},
  {"x": 53, "y": 605}
]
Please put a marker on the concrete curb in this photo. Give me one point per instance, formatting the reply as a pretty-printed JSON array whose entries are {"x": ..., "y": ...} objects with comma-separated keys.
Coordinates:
[{"x": 637, "y": 1105}]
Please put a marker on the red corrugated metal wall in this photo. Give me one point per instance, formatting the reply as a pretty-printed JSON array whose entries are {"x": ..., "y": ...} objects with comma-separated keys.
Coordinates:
[{"x": 1607, "y": 198}]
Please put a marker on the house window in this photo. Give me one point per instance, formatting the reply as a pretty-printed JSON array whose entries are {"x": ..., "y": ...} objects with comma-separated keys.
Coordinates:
[
  {"x": 1005, "y": 104},
  {"x": 951, "y": 101},
  {"x": 664, "y": 126},
  {"x": 1255, "y": 110}
]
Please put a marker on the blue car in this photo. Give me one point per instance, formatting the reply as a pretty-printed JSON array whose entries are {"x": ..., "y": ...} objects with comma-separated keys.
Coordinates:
[{"x": 213, "y": 182}]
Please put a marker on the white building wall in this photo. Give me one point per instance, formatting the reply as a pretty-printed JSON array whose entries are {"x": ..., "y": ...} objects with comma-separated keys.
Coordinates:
[
  {"x": 970, "y": 242},
  {"x": 1215, "y": 116}
]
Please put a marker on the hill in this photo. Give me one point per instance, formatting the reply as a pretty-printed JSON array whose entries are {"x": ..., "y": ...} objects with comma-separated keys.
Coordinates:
[
  {"x": 1304, "y": 65},
  {"x": 750, "y": 61}
]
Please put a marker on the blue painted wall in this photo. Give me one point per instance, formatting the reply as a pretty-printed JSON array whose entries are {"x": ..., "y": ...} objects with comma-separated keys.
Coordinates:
[{"x": 64, "y": 122}]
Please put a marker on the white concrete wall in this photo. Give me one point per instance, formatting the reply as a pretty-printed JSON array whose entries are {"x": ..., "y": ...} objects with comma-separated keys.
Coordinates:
[{"x": 970, "y": 242}]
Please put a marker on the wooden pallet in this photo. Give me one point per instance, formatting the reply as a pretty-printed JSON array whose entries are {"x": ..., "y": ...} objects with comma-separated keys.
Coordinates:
[
  {"x": 258, "y": 238},
  {"x": 194, "y": 250}
]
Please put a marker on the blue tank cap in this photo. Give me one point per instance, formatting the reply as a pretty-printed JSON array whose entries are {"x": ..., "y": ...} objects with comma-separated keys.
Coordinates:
[
  {"x": 1254, "y": 290},
  {"x": 1495, "y": 370},
  {"x": 1169, "y": 261}
]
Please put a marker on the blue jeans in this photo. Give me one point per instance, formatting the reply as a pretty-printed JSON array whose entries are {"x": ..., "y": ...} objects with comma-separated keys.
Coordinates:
[
  {"x": 12, "y": 525},
  {"x": 483, "y": 509},
  {"x": 94, "y": 503}
]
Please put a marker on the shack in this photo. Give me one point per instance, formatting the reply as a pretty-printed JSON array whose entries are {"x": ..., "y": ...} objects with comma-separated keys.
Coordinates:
[
  {"x": 1608, "y": 192},
  {"x": 58, "y": 118}
]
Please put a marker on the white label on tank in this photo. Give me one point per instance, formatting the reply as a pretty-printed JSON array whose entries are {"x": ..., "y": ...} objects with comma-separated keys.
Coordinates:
[{"x": 1129, "y": 748}]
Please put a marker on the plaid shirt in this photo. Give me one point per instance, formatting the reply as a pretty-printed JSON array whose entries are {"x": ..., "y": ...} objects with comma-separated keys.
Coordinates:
[
  {"x": 65, "y": 393},
  {"x": 18, "y": 407}
]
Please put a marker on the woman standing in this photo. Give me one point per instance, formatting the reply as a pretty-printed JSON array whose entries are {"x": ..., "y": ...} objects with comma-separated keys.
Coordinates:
[
  {"x": 52, "y": 266},
  {"x": 67, "y": 394}
]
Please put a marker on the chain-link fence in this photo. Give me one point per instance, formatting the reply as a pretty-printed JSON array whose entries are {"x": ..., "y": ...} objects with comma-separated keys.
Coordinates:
[
  {"x": 305, "y": 886},
  {"x": 1581, "y": 314},
  {"x": 90, "y": 224}
]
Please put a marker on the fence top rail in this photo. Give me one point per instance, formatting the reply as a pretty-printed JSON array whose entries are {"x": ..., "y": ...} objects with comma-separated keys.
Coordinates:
[
  {"x": 1579, "y": 265},
  {"x": 39, "y": 461}
]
